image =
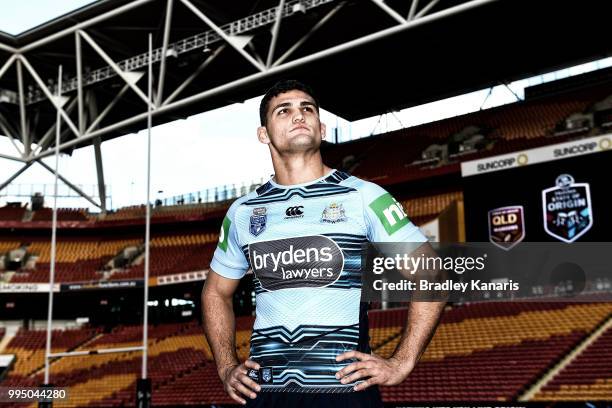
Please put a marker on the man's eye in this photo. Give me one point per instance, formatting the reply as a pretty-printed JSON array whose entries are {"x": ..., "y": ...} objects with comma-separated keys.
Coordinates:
[
  {"x": 281, "y": 111},
  {"x": 307, "y": 108}
]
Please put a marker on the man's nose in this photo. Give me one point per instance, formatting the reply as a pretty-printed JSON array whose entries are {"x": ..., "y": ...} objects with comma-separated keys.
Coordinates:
[{"x": 298, "y": 117}]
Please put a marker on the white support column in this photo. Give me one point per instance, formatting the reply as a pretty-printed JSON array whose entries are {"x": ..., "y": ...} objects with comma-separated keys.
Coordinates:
[
  {"x": 98, "y": 351},
  {"x": 11, "y": 133},
  {"x": 56, "y": 101},
  {"x": 97, "y": 145},
  {"x": 392, "y": 13},
  {"x": 108, "y": 108},
  {"x": 7, "y": 65},
  {"x": 162, "y": 68},
  {"x": 81, "y": 26},
  {"x": 426, "y": 9},
  {"x": 256, "y": 77},
  {"x": 79, "y": 69},
  {"x": 68, "y": 183},
  {"x": 46, "y": 139},
  {"x": 8, "y": 48},
  {"x": 313, "y": 30},
  {"x": 115, "y": 67},
  {"x": 25, "y": 137},
  {"x": 58, "y": 119},
  {"x": 223, "y": 35},
  {"x": 275, "y": 31},
  {"x": 14, "y": 176},
  {"x": 413, "y": 7},
  {"x": 193, "y": 76},
  {"x": 145, "y": 337}
]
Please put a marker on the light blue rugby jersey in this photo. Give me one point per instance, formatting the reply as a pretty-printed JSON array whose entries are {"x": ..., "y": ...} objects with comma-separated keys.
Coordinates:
[{"x": 303, "y": 243}]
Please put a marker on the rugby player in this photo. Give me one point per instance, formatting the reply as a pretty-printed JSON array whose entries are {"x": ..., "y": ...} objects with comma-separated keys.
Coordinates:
[{"x": 301, "y": 234}]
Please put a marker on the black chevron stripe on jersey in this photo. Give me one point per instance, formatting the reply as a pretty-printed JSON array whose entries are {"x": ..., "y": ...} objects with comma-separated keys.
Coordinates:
[
  {"x": 300, "y": 192},
  {"x": 264, "y": 188},
  {"x": 337, "y": 177}
]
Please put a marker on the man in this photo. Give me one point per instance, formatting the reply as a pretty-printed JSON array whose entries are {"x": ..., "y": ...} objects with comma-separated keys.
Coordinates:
[{"x": 301, "y": 234}]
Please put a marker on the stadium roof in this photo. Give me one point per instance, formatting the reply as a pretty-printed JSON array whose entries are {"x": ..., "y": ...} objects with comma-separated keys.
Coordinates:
[
  {"x": 441, "y": 55},
  {"x": 363, "y": 57}
]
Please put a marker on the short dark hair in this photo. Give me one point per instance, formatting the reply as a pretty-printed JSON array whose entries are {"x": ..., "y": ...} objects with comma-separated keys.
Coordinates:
[{"x": 280, "y": 87}]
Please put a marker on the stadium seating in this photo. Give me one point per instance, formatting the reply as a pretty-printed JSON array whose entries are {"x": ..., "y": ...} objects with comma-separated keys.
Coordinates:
[
  {"x": 29, "y": 347},
  {"x": 75, "y": 260},
  {"x": 173, "y": 259},
  {"x": 63, "y": 214},
  {"x": 518, "y": 126},
  {"x": 174, "y": 212},
  {"x": 79, "y": 260},
  {"x": 480, "y": 352},
  {"x": 587, "y": 377},
  {"x": 493, "y": 351},
  {"x": 12, "y": 213},
  {"x": 423, "y": 209}
]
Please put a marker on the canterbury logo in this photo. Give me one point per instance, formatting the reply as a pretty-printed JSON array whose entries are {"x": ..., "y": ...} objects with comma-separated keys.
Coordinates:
[{"x": 294, "y": 211}]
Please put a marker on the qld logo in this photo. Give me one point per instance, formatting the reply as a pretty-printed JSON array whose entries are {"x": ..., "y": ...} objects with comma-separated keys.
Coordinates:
[
  {"x": 258, "y": 221},
  {"x": 506, "y": 226},
  {"x": 567, "y": 209}
]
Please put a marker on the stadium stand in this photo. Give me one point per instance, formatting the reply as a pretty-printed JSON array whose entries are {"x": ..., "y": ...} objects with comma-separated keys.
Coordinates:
[
  {"x": 487, "y": 352},
  {"x": 480, "y": 352},
  {"x": 28, "y": 346},
  {"x": 518, "y": 126},
  {"x": 174, "y": 212},
  {"x": 588, "y": 376},
  {"x": 12, "y": 212},
  {"x": 85, "y": 258},
  {"x": 63, "y": 214},
  {"x": 424, "y": 209}
]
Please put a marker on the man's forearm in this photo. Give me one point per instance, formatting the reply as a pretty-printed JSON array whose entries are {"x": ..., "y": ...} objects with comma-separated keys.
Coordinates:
[
  {"x": 220, "y": 329},
  {"x": 422, "y": 320}
]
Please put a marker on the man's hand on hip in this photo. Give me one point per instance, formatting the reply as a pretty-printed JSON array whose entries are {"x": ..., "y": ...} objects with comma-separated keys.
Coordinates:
[
  {"x": 379, "y": 370},
  {"x": 237, "y": 383}
]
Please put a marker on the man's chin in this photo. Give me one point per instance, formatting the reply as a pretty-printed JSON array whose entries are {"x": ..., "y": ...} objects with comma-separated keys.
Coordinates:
[{"x": 304, "y": 140}]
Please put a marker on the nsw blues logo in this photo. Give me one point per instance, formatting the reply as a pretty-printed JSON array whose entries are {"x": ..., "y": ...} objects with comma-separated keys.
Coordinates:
[
  {"x": 567, "y": 209},
  {"x": 266, "y": 375},
  {"x": 258, "y": 221},
  {"x": 333, "y": 213}
]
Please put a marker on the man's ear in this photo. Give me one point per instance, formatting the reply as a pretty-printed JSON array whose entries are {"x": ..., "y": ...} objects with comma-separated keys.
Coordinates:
[
  {"x": 262, "y": 135},
  {"x": 323, "y": 130}
]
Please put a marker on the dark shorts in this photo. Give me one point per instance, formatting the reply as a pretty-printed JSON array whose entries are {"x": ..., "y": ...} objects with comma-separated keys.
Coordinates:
[{"x": 369, "y": 398}]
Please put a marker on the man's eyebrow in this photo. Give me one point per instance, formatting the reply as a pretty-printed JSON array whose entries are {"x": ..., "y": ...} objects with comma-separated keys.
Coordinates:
[{"x": 288, "y": 104}]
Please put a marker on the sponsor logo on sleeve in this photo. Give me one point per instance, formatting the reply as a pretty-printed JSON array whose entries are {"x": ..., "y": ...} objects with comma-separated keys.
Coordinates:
[
  {"x": 224, "y": 234},
  {"x": 390, "y": 213},
  {"x": 567, "y": 209}
]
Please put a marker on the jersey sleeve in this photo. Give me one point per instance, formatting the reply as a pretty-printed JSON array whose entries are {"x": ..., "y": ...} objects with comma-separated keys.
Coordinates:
[
  {"x": 385, "y": 218},
  {"x": 228, "y": 260}
]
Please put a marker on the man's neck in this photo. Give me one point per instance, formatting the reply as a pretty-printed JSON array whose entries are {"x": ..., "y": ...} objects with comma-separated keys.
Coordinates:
[{"x": 298, "y": 169}]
